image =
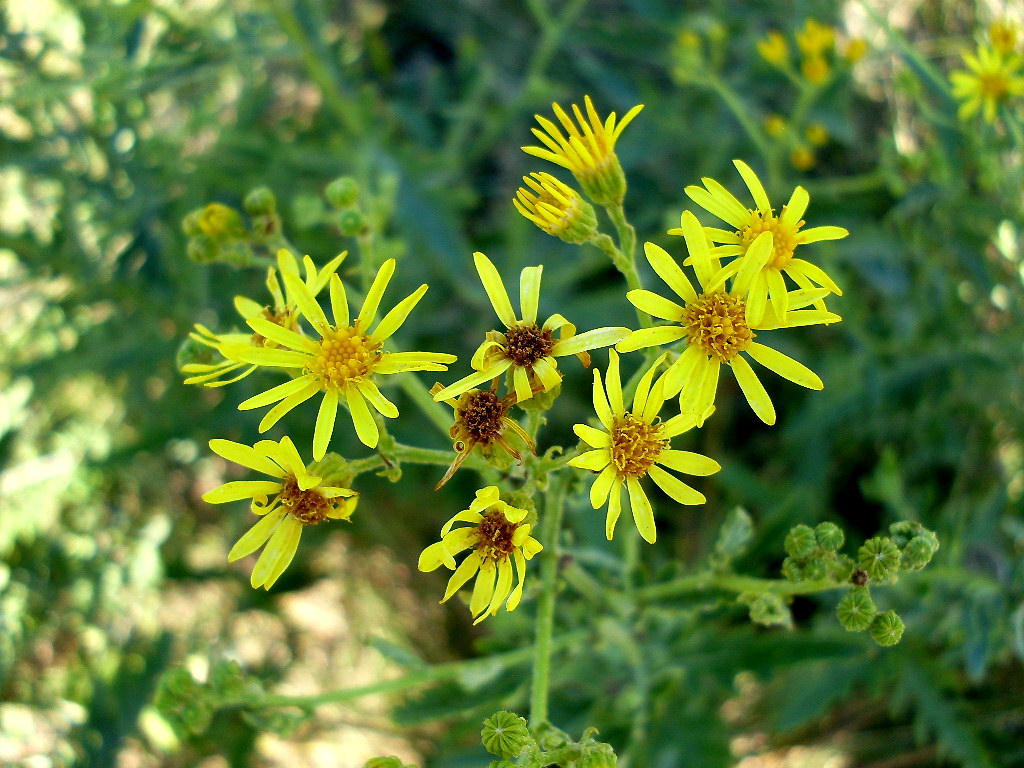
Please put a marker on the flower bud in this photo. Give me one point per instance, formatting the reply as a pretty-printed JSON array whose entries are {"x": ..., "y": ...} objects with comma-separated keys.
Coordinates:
[
  {"x": 802, "y": 158},
  {"x": 855, "y": 50},
  {"x": 597, "y": 755},
  {"x": 816, "y": 134},
  {"x": 342, "y": 192},
  {"x": 768, "y": 609},
  {"x": 260, "y": 202},
  {"x": 556, "y": 208},
  {"x": 815, "y": 70},
  {"x": 793, "y": 569},
  {"x": 917, "y": 554},
  {"x": 856, "y": 610},
  {"x": 880, "y": 557},
  {"x": 505, "y": 734},
  {"x": 221, "y": 222},
  {"x": 829, "y": 536},
  {"x": 774, "y": 49},
  {"x": 775, "y": 125},
  {"x": 190, "y": 224},
  {"x": 800, "y": 542},
  {"x": 201, "y": 249},
  {"x": 351, "y": 222},
  {"x": 887, "y": 628}
]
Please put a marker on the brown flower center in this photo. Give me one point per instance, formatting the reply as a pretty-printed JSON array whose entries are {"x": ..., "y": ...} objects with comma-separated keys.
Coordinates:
[
  {"x": 478, "y": 416},
  {"x": 717, "y": 323},
  {"x": 494, "y": 536},
  {"x": 345, "y": 354},
  {"x": 309, "y": 507},
  {"x": 526, "y": 344},
  {"x": 635, "y": 446},
  {"x": 994, "y": 85},
  {"x": 784, "y": 236}
]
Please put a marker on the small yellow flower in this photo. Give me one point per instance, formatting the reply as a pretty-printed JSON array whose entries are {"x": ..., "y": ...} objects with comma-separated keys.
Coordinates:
[
  {"x": 297, "y": 498},
  {"x": 634, "y": 445},
  {"x": 802, "y": 158},
  {"x": 527, "y": 349},
  {"x": 341, "y": 363},
  {"x": 815, "y": 39},
  {"x": 283, "y": 313},
  {"x": 498, "y": 537},
  {"x": 816, "y": 134},
  {"x": 766, "y": 282},
  {"x": 220, "y": 221},
  {"x": 556, "y": 208},
  {"x": 815, "y": 69},
  {"x": 481, "y": 421},
  {"x": 856, "y": 49},
  {"x": 993, "y": 79},
  {"x": 775, "y": 125},
  {"x": 586, "y": 149},
  {"x": 715, "y": 327},
  {"x": 773, "y": 48},
  {"x": 1003, "y": 34}
]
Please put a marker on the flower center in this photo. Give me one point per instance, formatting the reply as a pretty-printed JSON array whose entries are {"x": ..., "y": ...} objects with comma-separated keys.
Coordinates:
[
  {"x": 526, "y": 344},
  {"x": 309, "y": 507},
  {"x": 784, "y": 236},
  {"x": 478, "y": 416},
  {"x": 994, "y": 85},
  {"x": 717, "y": 323},
  {"x": 345, "y": 354},
  {"x": 635, "y": 446},
  {"x": 286, "y": 318},
  {"x": 494, "y": 536}
]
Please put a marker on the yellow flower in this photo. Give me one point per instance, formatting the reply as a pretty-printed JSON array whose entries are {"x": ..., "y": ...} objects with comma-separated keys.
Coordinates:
[
  {"x": 815, "y": 69},
  {"x": 766, "y": 281},
  {"x": 715, "y": 328},
  {"x": 1003, "y": 34},
  {"x": 283, "y": 313},
  {"x": 498, "y": 537},
  {"x": 556, "y": 208},
  {"x": 802, "y": 158},
  {"x": 815, "y": 39},
  {"x": 341, "y": 363},
  {"x": 527, "y": 349},
  {"x": 855, "y": 50},
  {"x": 775, "y": 125},
  {"x": 992, "y": 79},
  {"x": 219, "y": 221},
  {"x": 634, "y": 445},
  {"x": 587, "y": 149},
  {"x": 816, "y": 134},
  {"x": 297, "y": 498},
  {"x": 481, "y": 420},
  {"x": 773, "y": 48}
]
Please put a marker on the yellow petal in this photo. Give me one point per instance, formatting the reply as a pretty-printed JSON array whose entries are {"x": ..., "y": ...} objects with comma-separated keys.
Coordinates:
[
  {"x": 339, "y": 301},
  {"x": 754, "y": 185},
  {"x": 643, "y": 514},
  {"x": 602, "y": 487},
  {"x": 495, "y": 289},
  {"x": 675, "y": 487},
  {"x": 241, "y": 489},
  {"x": 280, "y": 392},
  {"x": 256, "y": 536},
  {"x": 362, "y": 419},
  {"x": 368, "y": 312},
  {"x": 753, "y": 390},
  {"x": 670, "y": 272},
  {"x": 325, "y": 424},
  {"x": 593, "y": 460},
  {"x": 246, "y": 456},
  {"x": 614, "y": 509},
  {"x": 278, "y": 553},
  {"x": 688, "y": 462},
  {"x": 584, "y": 342},
  {"x": 595, "y": 438},
  {"x": 784, "y": 365},
  {"x": 393, "y": 320},
  {"x": 529, "y": 293}
]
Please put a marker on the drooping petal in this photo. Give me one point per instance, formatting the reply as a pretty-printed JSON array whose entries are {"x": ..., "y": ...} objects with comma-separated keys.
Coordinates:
[
  {"x": 675, "y": 487},
  {"x": 244, "y": 455},
  {"x": 376, "y": 398},
  {"x": 469, "y": 382},
  {"x": 294, "y": 400},
  {"x": 643, "y": 513},
  {"x": 466, "y": 570},
  {"x": 280, "y": 392},
  {"x": 614, "y": 508},
  {"x": 256, "y": 536},
  {"x": 653, "y": 304},
  {"x": 278, "y": 553},
  {"x": 753, "y": 390},
  {"x": 325, "y": 424},
  {"x": 602, "y": 487},
  {"x": 241, "y": 489},
  {"x": 483, "y": 590}
]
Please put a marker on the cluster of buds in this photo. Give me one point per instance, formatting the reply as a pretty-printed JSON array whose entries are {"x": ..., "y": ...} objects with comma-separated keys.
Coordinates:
[
  {"x": 218, "y": 232},
  {"x": 507, "y": 736},
  {"x": 813, "y": 553},
  {"x": 343, "y": 195}
]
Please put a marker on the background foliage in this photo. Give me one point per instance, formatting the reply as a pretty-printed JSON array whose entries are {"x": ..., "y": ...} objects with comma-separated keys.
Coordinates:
[{"x": 118, "y": 118}]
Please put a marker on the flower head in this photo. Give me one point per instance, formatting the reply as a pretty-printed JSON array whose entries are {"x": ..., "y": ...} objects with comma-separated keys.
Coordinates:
[
  {"x": 525, "y": 348},
  {"x": 498, "y": 537},
  {"x": 773, "y": 48},
  {"x": 586, "y": 149},
  {"x": 715, "y": 326},
  {"x": 1003, "y": 34},
  {"x": 556, "y": 208},
  {"x": 636, "y": 444},
  {"x": 815, "y": 39},
  {"x": 482, "y": 421},
  {"x": 763, "y": 279},
  {"x": 294, "y": 499},
  {"x": 341, "y": 363},
  {"x": 992, "y": 78}
]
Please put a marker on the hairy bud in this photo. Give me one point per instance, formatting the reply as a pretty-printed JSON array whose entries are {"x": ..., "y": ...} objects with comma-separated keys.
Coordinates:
[
  {"x": 880, "y": 557},
  {"x": 887, "y": 628},
  {"x": 342, "y": 192},
  {"x": 829, "y": 536},
  {"x": 856, "y": 610},
  {"x": 800, "y": 542},
  {"x": 505, "y": 734}
]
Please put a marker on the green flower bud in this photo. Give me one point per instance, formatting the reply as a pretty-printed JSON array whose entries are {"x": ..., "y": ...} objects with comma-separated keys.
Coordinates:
[
  {"x": 342, "y": 192},
  {"x": 201, "y": 249},
  {"x": 841, "y": 568},
  {"x": 856, "y": 610},
  {"x": 221, "y": 222},
  {"x": 227, "y": 679},
  {"x": 260, "y": 202},
  {"x": 793, "y": 570},
  {"x": 816, "y": 568},
  {"x": 800, "y": 542},
  {"x": 598, "y": 755},
  {"x": 880, "y": 557},
  {"x": 505, "y": 734},
  {"x": 190, "y": 224},
  {"x": 887, "y": 628},
  {"x": 829, "y": 536},
  {"x": 917, "y": 554},
  {"x": 769, "y": 610},
  {"x": 351, "y": 222}
]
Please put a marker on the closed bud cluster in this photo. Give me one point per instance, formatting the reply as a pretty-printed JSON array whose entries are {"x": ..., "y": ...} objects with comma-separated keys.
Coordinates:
[
  {"x": 260, "y": 202},
  {"x": 221, "y": 222},
  {"x": 505, "y": 734},
  {"x": 343, "y": 192},
  {"x": 351, "y": 222},
  {"x": 801, "y": 542},
  {"x": 813, "y": 554},
  {"x": 887, "y": 628},
  {"x": 856, "y": 610},
  {"x": 880, "y": 558}
]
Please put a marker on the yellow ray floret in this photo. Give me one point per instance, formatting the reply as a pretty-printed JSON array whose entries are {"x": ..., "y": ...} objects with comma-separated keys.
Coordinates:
[
  {"x": 991, "y": 79},
  {"x": 764, "y": 280},
  {"x": 714, "y": 327},
  {"x": 556, "y": 208},
  {"x": 498, "y": 537},
  {"x": 635, "y": 444},
  {"x": 294, "y": 499},
  {"x": 525, "y": 348},
  {"x": 341, "y": 363}
]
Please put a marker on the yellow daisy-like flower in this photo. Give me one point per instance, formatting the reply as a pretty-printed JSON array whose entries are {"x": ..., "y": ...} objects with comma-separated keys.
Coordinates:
[
  {"x": 765, "y": 278},
  {"x": 586, "y": 149},
  {"x": 341, "y": 363},
  {"x": 715, "y": 328},
  {"x": 294, "y": 499},
  {"x": 991, "y": 79},
  {"x": 773, "y": 48},
  {"x": 481, "y": 421},
  {"x": 815, "y": 39},
  {"x": 527, "y": 349},
  {"x": 634, "y": 445},
  {"x": 498, "y": 537},
  {"x": 556, "y": 208},
  {"x": 1003, "y": 34},
  {"x": 284, "y": 313},
  {"x": 815, "y": 69}
]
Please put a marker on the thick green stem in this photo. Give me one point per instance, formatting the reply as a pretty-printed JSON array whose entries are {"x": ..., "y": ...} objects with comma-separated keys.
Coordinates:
[
  {"x": 550, "y": 525},
  {"x": 624, "y": 256}
]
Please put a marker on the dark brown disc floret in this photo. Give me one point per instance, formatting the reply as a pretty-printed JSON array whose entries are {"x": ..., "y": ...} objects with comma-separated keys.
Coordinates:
[
  {"x": 526, "y": 344},
  {"x": 309, "y": 507}
]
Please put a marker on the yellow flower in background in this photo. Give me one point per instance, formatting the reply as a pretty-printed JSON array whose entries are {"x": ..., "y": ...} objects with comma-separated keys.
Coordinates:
[
  {"x": 341, "y": 363},
  {"x": 715, "y": 327},
  {"x": 556, "y": 208},
  {"x": 816, "y": 134},
  {"x": 815, "y": 69},
  {"x": 219, "y": 221},
  {"x": 990, "y": 81},
  {"x": 815, "y": 39},
  {"x": 775, "y": 125},
  {"x": 586, "y": 149},
  {"x": 498, "y": 537},
  {"x": 802, "y": 158},
  {"x": 283, "y": 313},
  {"x": 773, "y": 48},
  {"x": 856, "y": 49},
  {"x": 765, "y": 278},
  {"x": 294, "y": 499},
  {"x": 635, "y": 444},
  {"x": 1003, "y": 35},
  {"x": 526, "y": 348}
]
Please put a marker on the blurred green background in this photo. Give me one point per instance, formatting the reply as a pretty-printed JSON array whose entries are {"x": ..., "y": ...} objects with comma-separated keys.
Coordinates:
[{"x": 118, "y": 118}]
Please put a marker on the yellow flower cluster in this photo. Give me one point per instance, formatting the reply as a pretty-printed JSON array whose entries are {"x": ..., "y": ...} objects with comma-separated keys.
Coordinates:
[{"x": 993, "y": 78}]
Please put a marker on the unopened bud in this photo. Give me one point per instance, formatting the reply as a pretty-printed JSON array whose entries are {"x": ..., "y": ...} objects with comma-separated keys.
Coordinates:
[
  {"x": 342, "y": 192},
  {"x": 887, "y": 628},
  {"x": 880, "y": 557},
  {"x": 505, "y": 734},
  {"x": 556, "y": 208},
  {"x": 260, "y": 202},
  {"x": 201, "y": 249},
  {"x": 917, "y": 554},
  {"x": 598, "y": 755},
  {"x": 829, "y": 536},
  {"x": 351, "y": 222},
  {"x": 800, "y": 542},
  {"x": 221, "y": 222},
  {"x": 856, "y": 610}
]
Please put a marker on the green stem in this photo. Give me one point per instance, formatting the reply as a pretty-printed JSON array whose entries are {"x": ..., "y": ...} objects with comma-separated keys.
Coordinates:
[
  {"x": 550, "y": 525},
  {"x": 742, "y": 115},
  {"x": 700, "y": 582},
  {"x": 624, "y": 257}
]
